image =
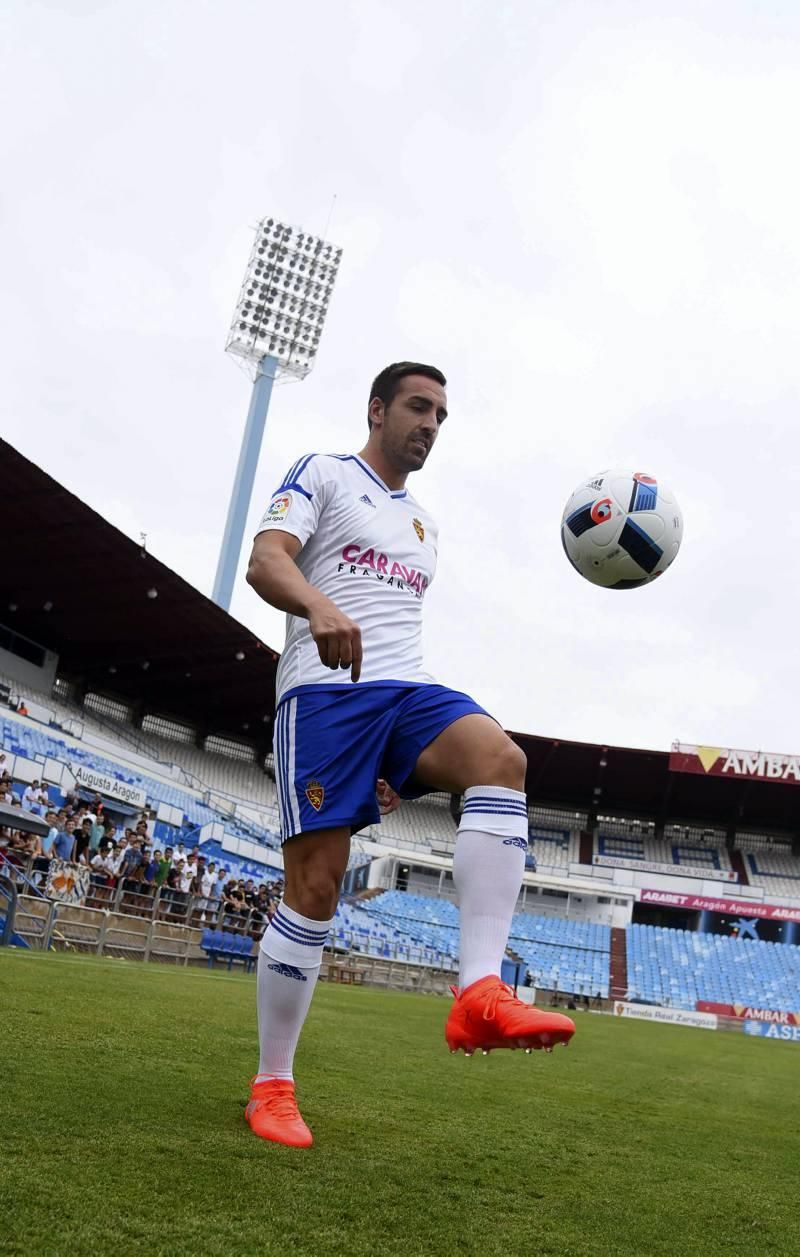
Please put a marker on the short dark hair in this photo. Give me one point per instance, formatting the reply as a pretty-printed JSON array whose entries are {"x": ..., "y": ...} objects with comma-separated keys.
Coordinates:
[{"x": 384, "y": 386}]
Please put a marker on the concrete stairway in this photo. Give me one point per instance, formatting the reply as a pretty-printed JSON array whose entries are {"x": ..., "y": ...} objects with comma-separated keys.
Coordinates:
[{"x": 618, "y": 965}]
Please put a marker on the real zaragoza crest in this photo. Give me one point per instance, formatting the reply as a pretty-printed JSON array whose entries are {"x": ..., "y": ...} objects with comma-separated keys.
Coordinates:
[
  {"x": 418, "y": 529},
  {"x": 315, "y": 793}
]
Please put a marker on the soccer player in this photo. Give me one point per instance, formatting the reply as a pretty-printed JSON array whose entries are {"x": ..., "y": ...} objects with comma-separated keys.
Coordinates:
[{"x": 348, "y": 554}]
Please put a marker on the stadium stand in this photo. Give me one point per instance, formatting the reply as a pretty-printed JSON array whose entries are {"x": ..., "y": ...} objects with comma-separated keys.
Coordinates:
[
  {"x": 429, "y": 921},
  {"x": 375, "y": 933},
  {"x": 560, "y": 954},
  {"x": 678, "y": 967},
  {"x": 691, "y": 854},
  {"x": 241, "y": 780},
  {"x": 71, "y": 717},
  {"x": 247, "y": 782},
  {"x": 632, "y": 843},
  {"x": 420, "y": 825},
  {"x": 34, "y": 741},
  {"x": 553, "y": 850},
  {"x": 771, "y": 865},
  {"x": 428, "y": 825}
]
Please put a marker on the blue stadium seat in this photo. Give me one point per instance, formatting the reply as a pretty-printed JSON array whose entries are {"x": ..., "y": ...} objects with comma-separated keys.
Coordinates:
[
  {"x": 561, "y": 954},
  {"x": 679, "y": 967},
  {"x": 30, "y": 742}
]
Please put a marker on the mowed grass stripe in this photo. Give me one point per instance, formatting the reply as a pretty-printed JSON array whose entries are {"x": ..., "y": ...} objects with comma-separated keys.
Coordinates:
[{"x": 122, "y": 1128}]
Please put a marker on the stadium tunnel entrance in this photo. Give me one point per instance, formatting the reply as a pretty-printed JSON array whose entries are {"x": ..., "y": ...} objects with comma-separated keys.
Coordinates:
[
  {"x": 730, "y": 925},
  {"x": 666, "y": 918}
]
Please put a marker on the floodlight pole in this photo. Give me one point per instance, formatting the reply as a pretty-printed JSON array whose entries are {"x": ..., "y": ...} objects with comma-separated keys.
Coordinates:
[
  {"x": 277, "y": 323},
  {"x": 239, "y": 504}
]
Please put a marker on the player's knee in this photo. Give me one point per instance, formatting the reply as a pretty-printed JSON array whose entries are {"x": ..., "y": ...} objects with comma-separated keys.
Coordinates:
[
  {"x": 508, "y": 765},
  {"x": 315, "y": 894}
]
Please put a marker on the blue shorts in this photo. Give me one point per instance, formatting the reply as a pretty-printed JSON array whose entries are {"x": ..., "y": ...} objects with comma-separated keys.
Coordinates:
[{"x": 332, "y": 745}]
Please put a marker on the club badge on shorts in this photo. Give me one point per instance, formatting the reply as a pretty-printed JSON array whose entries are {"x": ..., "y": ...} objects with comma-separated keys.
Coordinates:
[
  {"x": 315, "y": 793},
  {"x": 418, "y": 529}
]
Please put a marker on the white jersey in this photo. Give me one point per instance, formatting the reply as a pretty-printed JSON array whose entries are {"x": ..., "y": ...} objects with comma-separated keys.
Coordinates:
[{"x": 372, "y": 551}]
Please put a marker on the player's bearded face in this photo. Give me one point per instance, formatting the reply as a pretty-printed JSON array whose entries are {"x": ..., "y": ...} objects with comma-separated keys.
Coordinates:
[{"x": 411, "y": 422}]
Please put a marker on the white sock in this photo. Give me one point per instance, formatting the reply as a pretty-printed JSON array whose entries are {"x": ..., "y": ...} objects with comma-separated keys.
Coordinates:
[
  {"x": 288, "y": 967},
  {"x": 488, "y": 865}
]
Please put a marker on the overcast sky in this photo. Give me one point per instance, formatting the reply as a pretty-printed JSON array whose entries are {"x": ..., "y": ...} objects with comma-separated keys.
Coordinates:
[{"x": 586, "y": 213}]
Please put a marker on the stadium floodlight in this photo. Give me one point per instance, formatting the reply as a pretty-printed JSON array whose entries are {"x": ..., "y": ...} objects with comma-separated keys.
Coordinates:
[
  {"x": 276, "y": 330},
  {"x": 284, "y": 298}
]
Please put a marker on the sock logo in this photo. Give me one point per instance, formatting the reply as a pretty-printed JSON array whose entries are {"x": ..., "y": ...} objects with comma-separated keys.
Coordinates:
[
  {"x": 516, "y": 842},
  {"x": 288, "y": 971}
]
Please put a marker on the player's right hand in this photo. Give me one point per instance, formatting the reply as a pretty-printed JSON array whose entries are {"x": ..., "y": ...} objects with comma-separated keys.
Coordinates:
[
  {"x": 337, "y": 637},
  {"x": 388, "y": 799}
]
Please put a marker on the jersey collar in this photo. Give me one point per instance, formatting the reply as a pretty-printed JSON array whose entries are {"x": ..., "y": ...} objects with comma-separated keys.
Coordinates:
[{"x": 373, "y": 475}]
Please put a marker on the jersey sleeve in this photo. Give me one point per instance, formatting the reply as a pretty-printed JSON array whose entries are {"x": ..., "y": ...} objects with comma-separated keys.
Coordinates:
[{"x": 297, "y": 503}]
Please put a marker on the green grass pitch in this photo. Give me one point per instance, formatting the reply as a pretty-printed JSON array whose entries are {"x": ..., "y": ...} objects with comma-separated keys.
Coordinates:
[{"x": 123, "y": 1087}]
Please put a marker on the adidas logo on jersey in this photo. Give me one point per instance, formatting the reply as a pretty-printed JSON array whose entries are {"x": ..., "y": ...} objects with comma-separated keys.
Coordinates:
[{"x": 367, "y": 501}]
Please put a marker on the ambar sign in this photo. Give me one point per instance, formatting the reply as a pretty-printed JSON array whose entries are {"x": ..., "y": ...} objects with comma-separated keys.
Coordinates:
[
  {"x": 714, "y": 761},
  {"x": 743, "y": 1012}
]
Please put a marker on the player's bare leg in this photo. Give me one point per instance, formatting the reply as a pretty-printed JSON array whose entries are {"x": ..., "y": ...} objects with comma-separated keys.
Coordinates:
[
  {"x": 289, "y": 962},
  {"x": 314, "y": 865},
  {"x": 474, "y": 757}
]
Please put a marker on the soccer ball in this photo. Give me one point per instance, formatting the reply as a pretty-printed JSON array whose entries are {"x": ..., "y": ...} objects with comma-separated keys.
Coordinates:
[{"x": 621, "y": 529}]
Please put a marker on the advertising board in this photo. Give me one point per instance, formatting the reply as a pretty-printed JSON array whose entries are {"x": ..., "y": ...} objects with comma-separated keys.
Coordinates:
[
  {"x": 666, "y": 1016},
  {"x": 787, "y": 1034},
  {"x": 718, "y": 761},
  {"x": 743, "y": 1012},
  {"x": 732, "y": 907}
]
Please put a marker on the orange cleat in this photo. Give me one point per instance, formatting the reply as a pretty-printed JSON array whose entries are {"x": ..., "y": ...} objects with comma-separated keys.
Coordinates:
[
  {"x": 273, "y": 1114},
  {"x": 487, "y": 1014}
]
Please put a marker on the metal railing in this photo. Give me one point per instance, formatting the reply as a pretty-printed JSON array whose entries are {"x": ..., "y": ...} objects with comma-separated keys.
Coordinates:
[
  {"x": 8, "y": 890},
  {"x": 46, "y": 924},
  {"x": 131, "y": 897},
  {"x": 51, "y": 924},
  {"x": 33, "y": 919},
  {"x": 21, "y": 870},
  {"x": 166, "y": 908}
]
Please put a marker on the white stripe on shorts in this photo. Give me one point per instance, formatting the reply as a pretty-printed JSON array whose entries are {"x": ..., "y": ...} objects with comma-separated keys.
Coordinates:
[
  {"x": 279, "y": 746},
  {"x": 278, "y": 752},
  {"x": 294, "y": 806}
]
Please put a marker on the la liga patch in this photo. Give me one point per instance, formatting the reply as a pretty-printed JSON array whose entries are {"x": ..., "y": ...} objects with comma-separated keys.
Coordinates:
[{"x": 278, "y": 508}]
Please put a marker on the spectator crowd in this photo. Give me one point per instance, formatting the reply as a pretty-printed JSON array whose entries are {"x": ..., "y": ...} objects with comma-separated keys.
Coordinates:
[{"x": 79, "y": 833}]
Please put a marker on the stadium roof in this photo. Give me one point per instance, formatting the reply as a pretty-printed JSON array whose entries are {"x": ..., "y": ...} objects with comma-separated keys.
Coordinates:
[
  {"x": 58, "y": 550},
  {"x": 619, "y": 781}
]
